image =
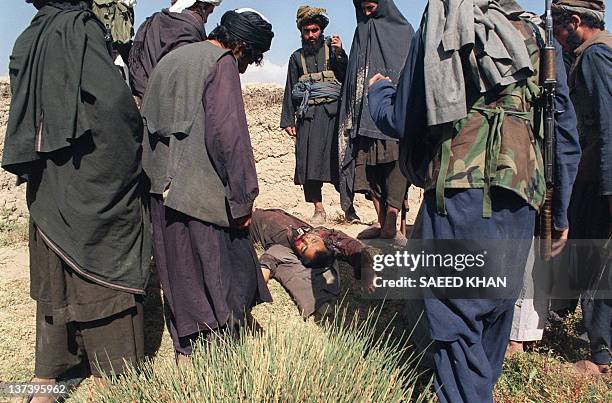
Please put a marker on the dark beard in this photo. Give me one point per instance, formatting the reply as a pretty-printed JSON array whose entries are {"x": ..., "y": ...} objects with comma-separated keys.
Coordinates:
[
  {"x": 310, "y": 50},
  {"x": 573, "y": 39}
]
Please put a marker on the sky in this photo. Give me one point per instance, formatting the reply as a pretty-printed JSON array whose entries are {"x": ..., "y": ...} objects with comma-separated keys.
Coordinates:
[{"x": 15, "y": 16}]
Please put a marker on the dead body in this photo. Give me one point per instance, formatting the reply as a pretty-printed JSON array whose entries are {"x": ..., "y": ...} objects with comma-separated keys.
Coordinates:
[{"x": 302, "y": 258}]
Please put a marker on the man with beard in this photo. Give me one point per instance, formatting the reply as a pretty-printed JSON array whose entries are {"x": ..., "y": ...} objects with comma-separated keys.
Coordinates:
[
  {"x": 198, "y": 157},
  {"x": 314, "y": 80},
  {"x": 580, "y": 28},
  {"x": 464, "y": 114},
  {"x": 302, "y": 258},
  {"x": 370, "y": 161},
  {"x": 74, "y": 138},
  {"x": 163, "y": 32}
]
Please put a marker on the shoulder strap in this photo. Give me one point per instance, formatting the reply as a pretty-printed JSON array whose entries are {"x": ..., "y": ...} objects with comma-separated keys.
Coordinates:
[{"x": 303, "y": 58}]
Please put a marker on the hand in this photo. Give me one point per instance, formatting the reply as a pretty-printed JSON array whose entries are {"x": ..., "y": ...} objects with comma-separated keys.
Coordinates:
[
  {"x": 291, "y": 131},
  {"x": 559, "y": 241},
  {"x": 378, "y": 77},
  {"x": 243, "y": 222},
  {"x": 368, "y": 275},
  {"x": 336, "y": 44}
]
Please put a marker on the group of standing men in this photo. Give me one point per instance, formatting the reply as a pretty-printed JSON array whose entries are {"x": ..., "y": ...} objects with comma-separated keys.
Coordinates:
[
  {"x": 107, "y": 181},
  {"x": 454, "y": 113},
  {"x": 325, "y": 108},
  {"x": 467, "y": 113}
]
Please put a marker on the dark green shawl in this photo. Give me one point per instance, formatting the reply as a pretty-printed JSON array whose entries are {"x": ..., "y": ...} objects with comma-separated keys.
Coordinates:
[{"x": 74, "y": 134}]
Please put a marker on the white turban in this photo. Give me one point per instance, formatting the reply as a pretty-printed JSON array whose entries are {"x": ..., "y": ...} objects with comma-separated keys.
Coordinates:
[
  {"x": 181, "y": 5},
  {"x": 129, "y": 3}
]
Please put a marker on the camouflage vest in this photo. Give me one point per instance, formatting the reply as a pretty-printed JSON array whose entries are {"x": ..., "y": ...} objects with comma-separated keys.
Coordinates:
[
  {"x": 588, "y": 117},
  {"x": 117, "y": 18},
  {"x": 495, "y": 144}
]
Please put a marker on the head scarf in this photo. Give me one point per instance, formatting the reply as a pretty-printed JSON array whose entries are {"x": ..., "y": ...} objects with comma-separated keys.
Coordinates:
[
  {"x": 312, "y": 15},
  {"x": 593, "y": 8},
  {"x": 374, "y": 50},
  {"x": 249, "y": 26},
  {"x": 179, "y": 6}
]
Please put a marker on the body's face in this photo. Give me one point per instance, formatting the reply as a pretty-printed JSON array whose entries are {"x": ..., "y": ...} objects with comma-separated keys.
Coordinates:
[
  {"x": 307, "y": 245},
  {"x": 369, "y": 8},
  {"x": 311, "y": 33}
]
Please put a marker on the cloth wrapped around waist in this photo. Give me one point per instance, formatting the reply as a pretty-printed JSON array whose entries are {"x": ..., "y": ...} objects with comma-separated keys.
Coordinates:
[{"x": 315, "y": 89}]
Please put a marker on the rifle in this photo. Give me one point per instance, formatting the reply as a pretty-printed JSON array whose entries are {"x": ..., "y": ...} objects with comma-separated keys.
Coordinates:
[{"x": 549, "y": 80}]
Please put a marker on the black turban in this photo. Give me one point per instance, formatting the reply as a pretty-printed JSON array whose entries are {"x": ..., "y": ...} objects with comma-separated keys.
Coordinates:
[
  {"x": 63, "y": 4},
  {"x": 249, "y": 27}
]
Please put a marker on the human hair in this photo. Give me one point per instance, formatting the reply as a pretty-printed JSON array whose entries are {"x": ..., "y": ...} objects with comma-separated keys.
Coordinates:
[
  {"x": 321, "y": 259},
  {"x": 231, "y": 41},
  {"x": 563, "y": 19}
]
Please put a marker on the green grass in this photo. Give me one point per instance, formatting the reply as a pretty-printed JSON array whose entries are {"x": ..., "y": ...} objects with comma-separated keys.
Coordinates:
[
  {"x": 12, "y": 231},
  {"x": 543, "y": 377},
  {"x": 341, "y": 361},
  {"x": 290, "y": 352},
  {"x": 545, "y": 374}
]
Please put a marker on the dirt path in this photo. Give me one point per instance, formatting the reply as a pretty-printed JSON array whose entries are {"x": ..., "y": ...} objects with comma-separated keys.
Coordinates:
[{"x": 14, "y": 263}]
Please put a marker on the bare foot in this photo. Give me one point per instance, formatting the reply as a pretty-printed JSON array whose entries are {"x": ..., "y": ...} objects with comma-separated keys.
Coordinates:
[
  {"x": 182, "y": 360},
  {"x": 389, "y": 230},
  {"x": 372, "y": 232},
  {"x": 319, "y": 217},
  {"x": 43, "y": 398},
  {"x": 514, "y": 347},
  {"x": 587, "y": 367},
  {"x": 266, "y": 273}
]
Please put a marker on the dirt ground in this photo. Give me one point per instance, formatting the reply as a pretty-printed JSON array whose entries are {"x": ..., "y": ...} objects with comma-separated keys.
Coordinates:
[
  {"x": 537, "y": 377},
  {"x": 274, "y": 155}
]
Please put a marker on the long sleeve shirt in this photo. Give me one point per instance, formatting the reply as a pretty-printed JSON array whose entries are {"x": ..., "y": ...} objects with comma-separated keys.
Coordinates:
[
  {"x": 596, "y": 76},
  {"x": 401, "y": 112},
  {"x": 227, "y": 137}
]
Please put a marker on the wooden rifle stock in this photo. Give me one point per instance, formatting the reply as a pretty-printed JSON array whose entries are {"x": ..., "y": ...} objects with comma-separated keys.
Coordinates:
[{"x": 549, "y": 81}]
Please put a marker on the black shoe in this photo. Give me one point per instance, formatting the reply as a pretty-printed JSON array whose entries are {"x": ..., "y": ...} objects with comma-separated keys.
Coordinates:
[{"x": 351, "y": 216}]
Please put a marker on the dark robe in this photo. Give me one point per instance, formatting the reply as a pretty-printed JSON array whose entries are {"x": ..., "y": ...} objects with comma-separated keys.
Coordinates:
[
  {"x": 210, "y": 274},
  {"x": 377, "y": 48},
  {"x": 470, "y": 334},
  {"x": 161, "y": 33},
  {"x": 273, "y": 227},
  {"x": 589, "y": 208},
  {"x": 74, "y": 134},
  {"x": 316, "y": 146}
]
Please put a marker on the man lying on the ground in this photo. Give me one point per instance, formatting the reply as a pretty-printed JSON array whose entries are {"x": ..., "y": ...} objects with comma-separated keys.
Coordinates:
[{"x": 303, "y": 258}]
